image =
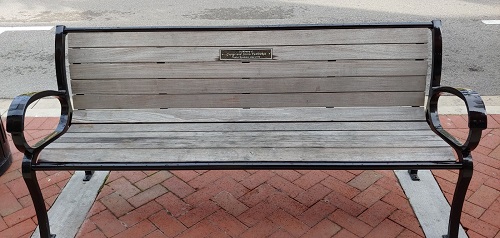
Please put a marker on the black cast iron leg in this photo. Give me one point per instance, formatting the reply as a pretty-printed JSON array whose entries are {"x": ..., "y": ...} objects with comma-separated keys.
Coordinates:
[
  {"x": 31, "y": 181},
  {"x": 88, "y": 175},
  {"x": 414, "y": 174},
  {"x": 464, "y": 177}
]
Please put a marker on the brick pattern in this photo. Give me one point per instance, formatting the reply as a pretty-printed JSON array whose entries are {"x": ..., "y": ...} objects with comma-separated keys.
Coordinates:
[
  {"x": 17, "y": 215},
  {"x": 482, "y": 207},
  {"x": 284, "y": 203}
]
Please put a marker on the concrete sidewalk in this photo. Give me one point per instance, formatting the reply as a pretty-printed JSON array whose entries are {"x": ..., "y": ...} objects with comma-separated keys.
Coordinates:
[{"x": 257, "y": 203}]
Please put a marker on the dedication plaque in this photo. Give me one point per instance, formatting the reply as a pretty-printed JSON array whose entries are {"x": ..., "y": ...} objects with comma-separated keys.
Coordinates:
[{"x": 246, "y": 54}]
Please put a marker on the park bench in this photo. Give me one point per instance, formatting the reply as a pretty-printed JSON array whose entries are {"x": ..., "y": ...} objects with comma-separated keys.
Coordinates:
[{"x": 329, "y": 97}]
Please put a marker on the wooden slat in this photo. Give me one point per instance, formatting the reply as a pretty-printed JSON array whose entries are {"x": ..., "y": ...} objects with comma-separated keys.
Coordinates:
[
  {"x": 250, "y": 115},
  {"x": 423, "y": 142},
  {"x": 252, "y": 154},
  {"x": 354, "y": 99},
  {"x": 226, "y": 69},
  {"x": 248, "y": 38},
  {"x": 265, "y": 136},
  {"x": 251, "y": 139},
  {"x": 196, "y": 54},
  {"x": 265, "y": 85},
  {"x": 256, "y": 126}
]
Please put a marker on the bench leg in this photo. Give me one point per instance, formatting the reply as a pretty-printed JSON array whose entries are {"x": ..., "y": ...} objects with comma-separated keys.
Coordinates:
[
  {"x": 88, "y": 175},
  {"x": 31, "y": 181},
  {"x": 414, "y": 174},
  {"x": 464, "y": 177}
]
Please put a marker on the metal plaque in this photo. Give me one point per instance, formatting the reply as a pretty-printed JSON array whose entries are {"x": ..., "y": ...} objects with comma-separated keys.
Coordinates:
[{"x": 246, "y": 54}]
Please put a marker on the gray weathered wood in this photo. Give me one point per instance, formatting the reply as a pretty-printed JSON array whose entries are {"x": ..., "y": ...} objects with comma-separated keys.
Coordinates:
[
  {"x": 248, "y": 38},
  {"x": 254, "y": 69},
  {"x": 278, "y": 154},
  {"x": 256, "y": 126},
  {"x": 261, "y": 85},
  {"x": 196, "y": 54},
  {"x": 253, "y": 135},
  {"x": 250, "y": 139},
  {"x": 354, "y": 99},
  {"x": 250, "y": 115},
  {"x": 252, "y": 154}
]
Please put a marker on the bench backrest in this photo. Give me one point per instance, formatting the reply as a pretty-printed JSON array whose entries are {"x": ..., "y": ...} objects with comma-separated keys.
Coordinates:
[{"x": 251, "y": 67}]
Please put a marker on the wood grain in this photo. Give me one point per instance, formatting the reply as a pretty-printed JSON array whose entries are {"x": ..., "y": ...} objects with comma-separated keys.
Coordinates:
[
  {"x": 351, "y": 99},
  {"x": 268, "y": 69},
  {"x": 253, "y": 154},
  {"x": 204, "y": 115},
  {"x": 250, "y": 139},
  {"x": 260, "y": 85},
  {"x": 280, "y": 53},
  {"x": 248, "y": 38},
  {"x": 256, "y": 126}
]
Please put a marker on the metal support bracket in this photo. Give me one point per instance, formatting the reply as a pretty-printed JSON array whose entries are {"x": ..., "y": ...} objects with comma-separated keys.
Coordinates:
[
  {"x": 414, "y": 174},
  {"x": 88, "y": 176}
]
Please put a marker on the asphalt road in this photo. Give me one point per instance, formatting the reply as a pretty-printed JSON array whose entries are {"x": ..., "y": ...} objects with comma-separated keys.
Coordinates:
[{"x": 471, "y": 48}]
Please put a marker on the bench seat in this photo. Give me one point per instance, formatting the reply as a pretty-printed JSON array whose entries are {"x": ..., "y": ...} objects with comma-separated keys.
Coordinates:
[{"x": 251, "y": 135}]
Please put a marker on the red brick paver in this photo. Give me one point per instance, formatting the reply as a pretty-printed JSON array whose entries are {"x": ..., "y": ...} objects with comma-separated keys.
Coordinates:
[
  {"x": 285, "y": 203},
  {"x": 211, "y": 209}
]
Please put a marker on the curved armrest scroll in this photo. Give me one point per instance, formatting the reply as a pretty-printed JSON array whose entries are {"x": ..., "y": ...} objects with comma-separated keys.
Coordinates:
[
  {"x": 17, "y": 113},
  {"x": 476, "y": 115}
]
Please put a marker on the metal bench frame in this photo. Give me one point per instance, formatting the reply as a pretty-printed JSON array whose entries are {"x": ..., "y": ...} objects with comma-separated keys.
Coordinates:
[{"x": 475, "y": 108}]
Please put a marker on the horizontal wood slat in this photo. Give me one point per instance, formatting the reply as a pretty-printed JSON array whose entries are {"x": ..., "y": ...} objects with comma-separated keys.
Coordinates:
[
  {"x": 264, "y": 85},
  {"x": 225, "y": 136},
  {"x": 380, "y": 114},
  {"x": 256, "y": 126},
  {"x": 244, "y": 154},
  {"x": 251, "y": 139},
  {"x": 225, "y": 69},
  {"x": 248, "y": 38},
  {"x": 286, "y": 53},
  {"x": 357, "y": 99}
]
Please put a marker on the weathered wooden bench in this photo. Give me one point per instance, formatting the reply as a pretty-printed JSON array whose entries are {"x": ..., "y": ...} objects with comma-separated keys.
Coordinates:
[{"x": 328, "y": 97}]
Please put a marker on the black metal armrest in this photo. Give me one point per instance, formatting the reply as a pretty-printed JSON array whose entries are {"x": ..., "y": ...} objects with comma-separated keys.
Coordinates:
[
  {"x": 476, "y": 115},
  {"x": 16, "y": 116}
]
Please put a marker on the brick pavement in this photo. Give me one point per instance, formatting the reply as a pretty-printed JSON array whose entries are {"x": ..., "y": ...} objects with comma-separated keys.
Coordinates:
[{"x": 264, "y": 203}]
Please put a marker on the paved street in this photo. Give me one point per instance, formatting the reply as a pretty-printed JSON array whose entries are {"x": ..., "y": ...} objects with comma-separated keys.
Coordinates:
[{"x": 471, "y": 47}]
